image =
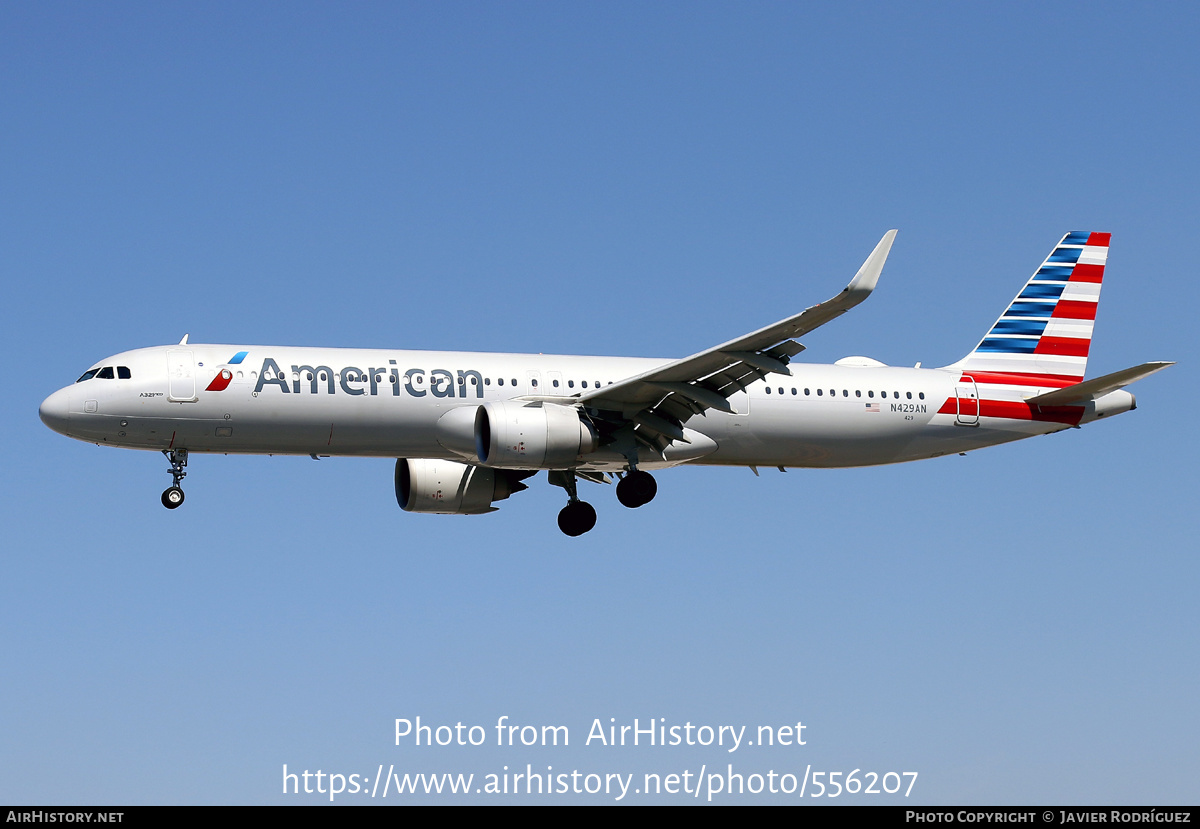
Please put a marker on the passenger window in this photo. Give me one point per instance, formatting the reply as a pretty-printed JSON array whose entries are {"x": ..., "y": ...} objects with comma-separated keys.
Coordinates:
[
  {"x": 870, "y": 394},
  {"x": 570, "y": 384},
  {"x": 820, "y": 392},
  {"x": 105, "y": 373},
  {"x": 806, "y": 392},
  {"x": 534, "y": 381},
  {"x": 793, "y": 391},
  {"x": 921, "y": 395},
  {"x": 499, "y": 381},
  {"x": 781, "y": 389},
  {"x": 908, "y": 394},
  {"x": 768, "y": 389},
  {"x": 556, "y": 384},
  {"x": 896, "y": 395},
  {"x": 845, "y": 393},
  {"x": 858, "y": 392}
]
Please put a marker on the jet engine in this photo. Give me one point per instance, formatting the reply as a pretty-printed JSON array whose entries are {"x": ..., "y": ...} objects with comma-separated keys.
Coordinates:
[
  {"x": 450, "y": 488},
  {"x": 512, "y": 435}
]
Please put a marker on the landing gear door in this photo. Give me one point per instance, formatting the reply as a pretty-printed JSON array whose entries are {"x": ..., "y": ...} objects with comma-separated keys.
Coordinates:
[
  {"x": 968, "y": 402},
  {"x": 181, "y": 377}
]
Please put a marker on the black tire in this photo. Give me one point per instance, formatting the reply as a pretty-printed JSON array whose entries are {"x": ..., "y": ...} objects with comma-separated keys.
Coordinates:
[
  {"x": 636, "y": 489},
  {"x": 576, "y": 518},
  {"x": 172, "y": 497}
]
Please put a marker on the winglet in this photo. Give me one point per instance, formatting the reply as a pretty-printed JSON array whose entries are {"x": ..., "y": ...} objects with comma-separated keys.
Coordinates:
[
  {"x": 868, "y": 275},
  {"x": 708, "y": 377}
]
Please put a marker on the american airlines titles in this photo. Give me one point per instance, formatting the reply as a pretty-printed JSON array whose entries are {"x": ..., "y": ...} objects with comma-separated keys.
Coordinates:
[{"x": 356, "y": 381}]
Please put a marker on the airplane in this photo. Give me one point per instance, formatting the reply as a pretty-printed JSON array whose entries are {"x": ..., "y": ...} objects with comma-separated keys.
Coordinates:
[{"x": 468, "y": 429}]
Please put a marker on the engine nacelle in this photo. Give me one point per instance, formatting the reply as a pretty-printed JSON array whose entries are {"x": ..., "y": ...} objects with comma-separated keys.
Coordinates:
[
  {"x": 513, "y": 435},
  {"x": 450, "y": 488}
]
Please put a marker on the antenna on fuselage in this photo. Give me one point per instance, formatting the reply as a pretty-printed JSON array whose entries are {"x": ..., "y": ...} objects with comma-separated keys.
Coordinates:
[{"x": 184, "y": 340}]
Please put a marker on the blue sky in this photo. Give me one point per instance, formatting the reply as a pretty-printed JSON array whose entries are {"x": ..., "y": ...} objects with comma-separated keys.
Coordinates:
[{"x": 1018, "y": 626}]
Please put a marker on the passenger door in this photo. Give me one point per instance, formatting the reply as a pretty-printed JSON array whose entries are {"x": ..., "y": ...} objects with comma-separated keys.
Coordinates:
[{"x": 181, "y": 377}]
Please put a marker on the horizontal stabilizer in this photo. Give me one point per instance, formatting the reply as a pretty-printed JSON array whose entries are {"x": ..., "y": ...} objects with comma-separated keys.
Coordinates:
[{"x": 1097, "y": 388}]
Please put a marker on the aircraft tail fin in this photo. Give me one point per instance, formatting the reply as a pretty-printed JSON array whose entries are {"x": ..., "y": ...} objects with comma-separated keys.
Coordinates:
[{"x": 1043, "y": 337}]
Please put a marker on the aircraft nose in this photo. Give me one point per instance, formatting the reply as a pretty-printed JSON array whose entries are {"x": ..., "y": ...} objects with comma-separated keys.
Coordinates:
[{"x": 55, "y": 411}]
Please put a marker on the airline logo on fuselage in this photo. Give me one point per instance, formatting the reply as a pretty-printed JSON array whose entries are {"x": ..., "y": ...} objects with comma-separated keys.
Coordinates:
[
  {"x": 355, "y": 381},
  {"x": 224, "y": 376}
]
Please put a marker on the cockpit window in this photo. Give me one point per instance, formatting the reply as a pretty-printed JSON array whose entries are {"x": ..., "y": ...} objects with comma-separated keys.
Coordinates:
[
  {"x": 105, "y": 373},
  {"x": 88, "y": 375},
  {"x": 123, "y": 373}
]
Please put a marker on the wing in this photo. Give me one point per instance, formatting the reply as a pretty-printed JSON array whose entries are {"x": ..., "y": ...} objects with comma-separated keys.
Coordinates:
[{"x": 659, "y": 401}]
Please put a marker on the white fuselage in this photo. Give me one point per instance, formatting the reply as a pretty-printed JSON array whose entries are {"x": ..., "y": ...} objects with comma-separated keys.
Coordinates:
[
  {"x": 467, "y": 429},
  {"x": 384, "y": 403}
]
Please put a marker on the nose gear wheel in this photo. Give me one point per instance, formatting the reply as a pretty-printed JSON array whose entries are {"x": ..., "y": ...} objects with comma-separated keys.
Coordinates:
[{"x": 172, "y": 497}]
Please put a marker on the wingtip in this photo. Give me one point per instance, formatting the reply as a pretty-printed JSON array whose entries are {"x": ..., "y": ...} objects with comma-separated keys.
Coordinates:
[
  {"x": 868, "y": 275},
  {"x": 1155, "y": 366}
]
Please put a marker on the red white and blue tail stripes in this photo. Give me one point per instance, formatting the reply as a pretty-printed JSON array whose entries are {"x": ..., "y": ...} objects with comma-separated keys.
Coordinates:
[
  {"x": 1040, "y": 342},
  {"x": 1043, "y": 337}
]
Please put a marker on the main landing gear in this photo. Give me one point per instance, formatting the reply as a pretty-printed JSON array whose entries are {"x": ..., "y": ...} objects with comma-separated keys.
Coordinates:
[
  {"x": 172, "y": 497},
  {"x": 577, "y": 517},
  {"x": 636, "y": 489}
]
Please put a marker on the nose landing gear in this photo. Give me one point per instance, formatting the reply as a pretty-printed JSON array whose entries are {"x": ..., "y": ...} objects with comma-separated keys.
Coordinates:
[{"x": 172, "y": 497}]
